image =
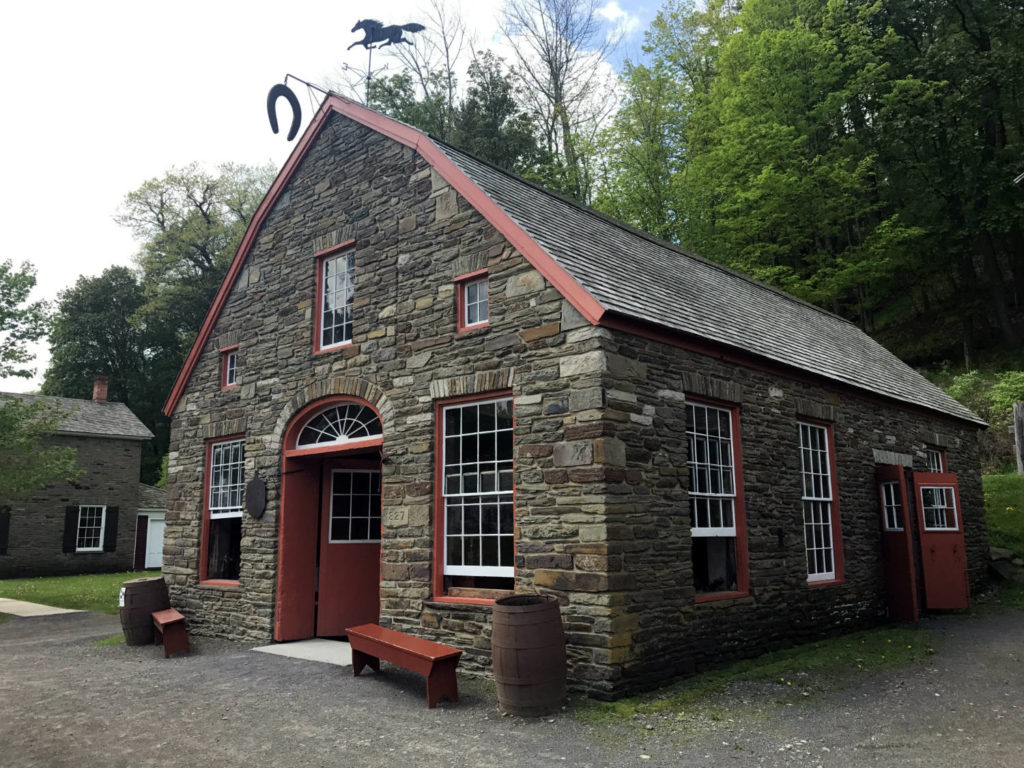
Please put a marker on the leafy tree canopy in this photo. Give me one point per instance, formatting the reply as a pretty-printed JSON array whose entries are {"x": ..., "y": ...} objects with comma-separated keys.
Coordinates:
[
  {"x": 21, "y": 322},
  {"x": 27, "y": 464}
]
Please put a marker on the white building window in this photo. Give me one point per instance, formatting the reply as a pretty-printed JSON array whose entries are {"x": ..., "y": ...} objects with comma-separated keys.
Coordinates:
[
  {"x": 91, "y": 521},
  {"x": 936, "y": 459},
  {"x": 224, "y": 508},
  {"x": 816, "y": 474},
  {"x": 938, "y": 505},
  {"x": 477, "y": 487},
  {"x": 230, "y": 368},
  {"x": 338, "y": 425},
  {"x": 355, "y": 506},
  {"x": 337, "y": 292},
  {"x": 892, "y": 511},
  {"x": 713, "y": 499},
  {"x": 474, "y": 301}
]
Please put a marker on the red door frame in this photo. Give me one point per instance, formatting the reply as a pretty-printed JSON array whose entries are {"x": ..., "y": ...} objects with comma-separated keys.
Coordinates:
[
  {"x": 943, "y": 553},
  {"x": 348, "y": 588},
  {"x": 898, "y": 550},
  {"x": 299, "y": 515}
]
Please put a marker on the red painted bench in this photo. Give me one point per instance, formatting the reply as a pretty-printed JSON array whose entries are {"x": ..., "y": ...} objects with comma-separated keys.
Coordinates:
[
  {"x": 371, "y": 643},
  {"x": 169, "y": 629}
]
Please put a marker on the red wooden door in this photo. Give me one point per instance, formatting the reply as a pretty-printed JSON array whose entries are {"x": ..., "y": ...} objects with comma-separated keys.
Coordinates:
[
  {"x": 897, "y": 547},
  {"x": 943, "y": 559},
  {"x": 348, "y": 587}
]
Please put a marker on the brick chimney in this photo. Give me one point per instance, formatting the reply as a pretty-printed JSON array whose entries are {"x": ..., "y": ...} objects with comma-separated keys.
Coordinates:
[{"x": 99, "y": 389}]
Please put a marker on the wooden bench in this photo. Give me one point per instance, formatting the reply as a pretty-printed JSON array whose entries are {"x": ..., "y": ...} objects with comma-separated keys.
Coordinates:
[
  {"x": 169, "y": 629},
  {"x": 371, "y": 643}
]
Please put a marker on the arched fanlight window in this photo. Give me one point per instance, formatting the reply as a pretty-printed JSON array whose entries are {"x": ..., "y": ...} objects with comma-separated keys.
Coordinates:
[{"x": 338, "y": 425}]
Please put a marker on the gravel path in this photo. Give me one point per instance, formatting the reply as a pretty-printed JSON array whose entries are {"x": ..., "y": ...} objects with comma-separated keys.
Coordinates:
[{"x": 66, "y": 702}]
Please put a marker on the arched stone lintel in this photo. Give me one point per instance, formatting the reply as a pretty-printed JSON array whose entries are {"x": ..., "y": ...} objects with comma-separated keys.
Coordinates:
[{"x": 339, "y": 385}]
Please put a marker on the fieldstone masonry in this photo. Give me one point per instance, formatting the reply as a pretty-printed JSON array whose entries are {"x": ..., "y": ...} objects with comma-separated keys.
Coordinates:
[{"x": 600, "y": 446}]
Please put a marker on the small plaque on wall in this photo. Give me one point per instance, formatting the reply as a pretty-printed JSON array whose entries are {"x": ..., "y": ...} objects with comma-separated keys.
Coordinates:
[{"x": 256, "y": 497}]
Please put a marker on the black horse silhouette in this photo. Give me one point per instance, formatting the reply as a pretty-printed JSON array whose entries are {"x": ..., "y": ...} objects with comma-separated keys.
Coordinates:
[{"x": 377, "y": 33}]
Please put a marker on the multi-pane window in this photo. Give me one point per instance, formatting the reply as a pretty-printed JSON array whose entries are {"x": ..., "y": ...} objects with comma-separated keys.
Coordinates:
[
  {"x": 477, "y": 487},
  {"x": 337, "y": 292},
  {"x": 355, "y": 506},
  {"x": 224, "y": 506},
  {"x": 815, "y": 470},
  {"x": 712, "y": 497},
  {"x": 892, "y": 511},
  {"x": 936, "y": 462},
  {"x": 230, "y": 368},
  {"x": 340, "y": 424},
  {"x": 474, "y": 301},
  {"x": 938, "y": 505},
  {"x": 90, "y": 529}
]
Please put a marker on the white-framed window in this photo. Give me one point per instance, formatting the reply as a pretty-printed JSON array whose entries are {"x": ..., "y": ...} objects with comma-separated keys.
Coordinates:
[
  {"x": 713, "y": 497},
  {"x": 337, "y": 292},
  {"x": 355, "y": 506},
  {"x": 477, "y": 488},
  {"x": 936, "y": 459},
  {"x": 91, "y": 522},
  {"x": 340, "y": 424},
  {"x": 938, "y": 506},
  {"x": 892, "y": 511},
  {"x": 816, "y": 476},
  {"x": 474, "y": 302},
  {"x": 230, "y": 368},
  {"x": 226, "y": 473}
]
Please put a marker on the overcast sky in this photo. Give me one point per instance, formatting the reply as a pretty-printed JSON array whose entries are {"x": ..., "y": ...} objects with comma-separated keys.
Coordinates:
[{"x": 100, "y": 96}]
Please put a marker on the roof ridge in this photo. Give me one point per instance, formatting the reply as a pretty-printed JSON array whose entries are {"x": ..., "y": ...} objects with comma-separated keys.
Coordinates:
[{"x": 641, "y": 233}]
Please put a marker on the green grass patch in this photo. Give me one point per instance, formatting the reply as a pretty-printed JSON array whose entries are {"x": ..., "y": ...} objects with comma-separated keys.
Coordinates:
[
  {"x": 1004, "y": 511},
  {"x": 88, "y": 592},
  {"x": 112, "y": 640},
  {"x": 1011, "y": 595},
  {"x": 797, "y": 672}
]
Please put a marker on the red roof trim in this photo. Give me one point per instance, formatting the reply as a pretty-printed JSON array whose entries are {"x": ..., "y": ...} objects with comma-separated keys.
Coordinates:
[{"x": 586, "y": 304}]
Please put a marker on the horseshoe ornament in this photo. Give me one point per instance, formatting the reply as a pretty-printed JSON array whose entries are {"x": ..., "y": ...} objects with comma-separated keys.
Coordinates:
[{"x": 277, "y": 92}]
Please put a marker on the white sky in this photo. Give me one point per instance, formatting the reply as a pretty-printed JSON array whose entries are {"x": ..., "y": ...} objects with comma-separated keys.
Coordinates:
[{"x": 99, "y": 97}]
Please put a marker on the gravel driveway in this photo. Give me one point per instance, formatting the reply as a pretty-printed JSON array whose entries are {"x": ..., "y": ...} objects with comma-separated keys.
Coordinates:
[{"x": 66, "y": 702}]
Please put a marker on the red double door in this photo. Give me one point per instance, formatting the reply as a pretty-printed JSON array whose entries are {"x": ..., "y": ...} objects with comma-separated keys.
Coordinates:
[{"x": 922, "y": 536}]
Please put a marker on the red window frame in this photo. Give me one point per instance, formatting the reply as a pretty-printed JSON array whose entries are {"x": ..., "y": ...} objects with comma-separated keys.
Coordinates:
[
  {"x": 439, "y": 508},
  {"x": 204, "y": 545},
  {"x": 318, "y": 311},
  {"x": 225, "y": 355},
  {"x": 739, "y": 504},
  {"x": 837, "y": 533},
  {"x": 461, "y": 283}
]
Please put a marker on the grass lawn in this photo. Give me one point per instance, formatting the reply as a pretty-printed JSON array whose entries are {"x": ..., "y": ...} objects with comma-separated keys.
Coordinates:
[
  {"x": 798, "y": 673},
  {"x": 89, "y": 592},
  {"x": 1004, "y": 511}
]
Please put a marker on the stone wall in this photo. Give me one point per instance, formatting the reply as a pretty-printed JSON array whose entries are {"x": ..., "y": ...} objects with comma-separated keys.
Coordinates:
[
  {"x": 36, "y": 535},
  {"x": 601, "y": 510}
]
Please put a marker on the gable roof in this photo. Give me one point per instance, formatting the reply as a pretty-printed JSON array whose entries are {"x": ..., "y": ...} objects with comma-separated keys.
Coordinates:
[
  {"x": 88, "y": 417},
  {"x": 151, "y": 497},
  {"x": 615, "y": 276}
]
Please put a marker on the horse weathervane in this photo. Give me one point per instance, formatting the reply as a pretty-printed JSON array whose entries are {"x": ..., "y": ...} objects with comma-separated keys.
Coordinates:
[{"x": 375, "y": 32}]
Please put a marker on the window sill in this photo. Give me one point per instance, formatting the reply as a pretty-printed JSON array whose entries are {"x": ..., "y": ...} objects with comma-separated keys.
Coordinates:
[
  {"x": 444, "y": 601},
  {"x": 334, "y": 348},
  {"x": 467, "y": 330},
  {"x": 221, "y": 585},
  {"x": 824, "y": 583},
  {"x": 714, "y": 597},
  {"x": 226, "y": 387}
]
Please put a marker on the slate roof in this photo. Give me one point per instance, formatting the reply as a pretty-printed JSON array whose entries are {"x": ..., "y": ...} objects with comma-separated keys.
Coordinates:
[
  {"x": 151, "y": 497},
  {"x": 635, "y": 275},
  {"x": 87, "y": 417}
]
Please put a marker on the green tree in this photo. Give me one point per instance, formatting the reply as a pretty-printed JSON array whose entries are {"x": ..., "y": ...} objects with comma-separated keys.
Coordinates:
[
  {"x": 21, "y": 323},
  {"x": 27, "y": 464},
  {"x": 98, "y": 328}
]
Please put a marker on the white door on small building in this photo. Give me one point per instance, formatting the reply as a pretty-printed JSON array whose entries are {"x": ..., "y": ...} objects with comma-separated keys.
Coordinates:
[{"x": 155, "y": 541}]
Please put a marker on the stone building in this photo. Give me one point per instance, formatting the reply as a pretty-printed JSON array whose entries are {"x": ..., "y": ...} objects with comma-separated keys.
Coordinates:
[
  {"x": 448, "y": 383},
  {"x": 89, "y": 525}
]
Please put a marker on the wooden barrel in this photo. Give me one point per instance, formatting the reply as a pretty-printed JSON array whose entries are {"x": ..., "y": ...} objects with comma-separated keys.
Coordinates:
[
  {"x": 139, "y": 598},
  {"x": 528, "y": 654}
]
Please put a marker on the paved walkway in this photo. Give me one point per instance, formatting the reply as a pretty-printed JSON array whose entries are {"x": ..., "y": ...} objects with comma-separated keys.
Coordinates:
[
  {"x": 23, "y": 608},
  {"x": 67, "y": 702}
]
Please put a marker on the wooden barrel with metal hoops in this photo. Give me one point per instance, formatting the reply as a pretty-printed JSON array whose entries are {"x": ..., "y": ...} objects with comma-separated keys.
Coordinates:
[
  {"x": 528, "y": 654},
  {"x": 139, "y": 598}
]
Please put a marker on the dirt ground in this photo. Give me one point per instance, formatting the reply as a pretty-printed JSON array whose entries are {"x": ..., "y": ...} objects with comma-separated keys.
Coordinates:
[{"x": 67, "y": 702}]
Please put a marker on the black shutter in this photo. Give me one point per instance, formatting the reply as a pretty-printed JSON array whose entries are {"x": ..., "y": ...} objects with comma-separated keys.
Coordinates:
[
  {"x": 110, "y": 530},
  {"x": 70, "y": 528},
  {"x": 5, "y": 529}
]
